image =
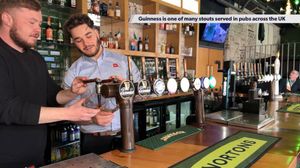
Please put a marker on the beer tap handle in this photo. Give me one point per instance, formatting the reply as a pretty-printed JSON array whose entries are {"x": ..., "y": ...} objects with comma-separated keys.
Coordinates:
[
  {"x": 143, "y": 70},
  {"x": 168, "y": 69},
  {"x": 184, "y": 68},
  {"x": 98, "y": 91},
  {"x": 91, "y": 80},
  {"x": 129, "y": 68}
]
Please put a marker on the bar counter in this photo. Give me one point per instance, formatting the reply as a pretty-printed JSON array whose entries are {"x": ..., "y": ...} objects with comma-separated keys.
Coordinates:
[{"x": 282, "y": 154}]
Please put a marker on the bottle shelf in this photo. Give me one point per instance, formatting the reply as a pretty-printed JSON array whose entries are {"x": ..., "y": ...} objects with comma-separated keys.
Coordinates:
[
  {"x": 60, "y": 144},
  {"x": 148, "y": 128},
  {"x": 168, "y": 31},
  {"x": 141, "y": 53},
  {"x": 107, "y": 20},
  {"x": 56, "y": 7},
  {"x": 170, "y": 121},
  {"x": 52, "y": 43},
  {"x": 133, "y": 53},
  {"x": 168, "y": 56}
]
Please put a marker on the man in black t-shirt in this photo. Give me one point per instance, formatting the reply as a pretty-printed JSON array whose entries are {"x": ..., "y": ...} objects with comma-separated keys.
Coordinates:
[{"x": 28, "y": 95}]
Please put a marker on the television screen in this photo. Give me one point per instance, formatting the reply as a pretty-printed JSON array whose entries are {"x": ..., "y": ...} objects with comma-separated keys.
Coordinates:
[{"x": 215, "y": 32}]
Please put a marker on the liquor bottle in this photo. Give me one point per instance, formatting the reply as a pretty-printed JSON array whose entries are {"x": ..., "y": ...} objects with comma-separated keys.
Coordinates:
[
  {"x": 172, "y": 49},
  {"x": 168, "y": 49},
  {"x": 77, "y": 132},
  {"x": 147, "y": 116},
  {"x": 60, "y": 33},
  {"x": 146, "y": 45},
  {"x": 150, "y": 117},
  {"x": 162, "y": 26},
  {"x": 104, "y": 40},
  {"x": 147, "y": 24},
  {"x": 64, "y": 135},
  {"x": 62, "y": 3},
  {"x": 73, "y": 4},
  {"x": 187, "y": 29},
  {"x": 174, "y": 27},
  {"x": 111, "y": 11},
  {"x": 49, "y": 30},
  {"x": 167, "y": 26},
  {"x": 155, "y": 118},
  {"x": 71, "y": 134},
  {"x": 111, "y": 41},
  {"x": 140, "y": 44},
  {"x": 133, "y": 43},
  {"x": 117, "y": 11},
  {"x": 191, "y": 32},
  {"x": 116, "y": 42},
  {"x": 103, "y": 9}
]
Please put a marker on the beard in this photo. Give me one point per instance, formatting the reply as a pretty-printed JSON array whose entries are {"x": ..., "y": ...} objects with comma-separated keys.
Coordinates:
[
  {"x": 96, "y": 51},
  {"x": 13, "y": 33}
]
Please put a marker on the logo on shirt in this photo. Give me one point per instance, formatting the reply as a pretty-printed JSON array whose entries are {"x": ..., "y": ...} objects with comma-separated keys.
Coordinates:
[{"x": 115, "y": 65}]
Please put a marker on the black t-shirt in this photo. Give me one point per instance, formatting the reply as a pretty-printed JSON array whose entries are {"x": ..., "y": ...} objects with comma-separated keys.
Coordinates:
[{"x": 25, "y": 86}]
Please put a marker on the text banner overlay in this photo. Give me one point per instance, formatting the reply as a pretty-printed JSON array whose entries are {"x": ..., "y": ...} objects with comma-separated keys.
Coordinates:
[{"x": 166, "y": 18}]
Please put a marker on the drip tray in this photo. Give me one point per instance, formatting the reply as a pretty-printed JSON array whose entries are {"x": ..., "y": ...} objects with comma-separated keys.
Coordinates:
[
  {"x": 223, "y": 116},
  {"x": 90, "y": 160},
  {"x": 239, "y": 119},
  {"x": 253, "y": 121}
]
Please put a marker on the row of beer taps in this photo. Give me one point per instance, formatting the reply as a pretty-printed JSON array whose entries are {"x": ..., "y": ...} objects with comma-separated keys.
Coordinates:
[{"x": 248, "y": 71}]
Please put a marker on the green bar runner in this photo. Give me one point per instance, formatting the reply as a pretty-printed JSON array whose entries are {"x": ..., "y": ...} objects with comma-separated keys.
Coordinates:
[
  {"x": 290, "y": 94},
  {"x": 290, "y": 108},
  {"x": 239, "y": 150},
  {"x": 160, "y": 140}
]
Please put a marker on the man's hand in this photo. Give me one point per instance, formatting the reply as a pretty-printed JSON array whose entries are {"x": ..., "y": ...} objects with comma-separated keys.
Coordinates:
[
  {"x": 119, "y": 78},
  {"x": 103, "y": 118},
  {"x": 77, "y": 112},
  {"x": 288, "y": 87},
  {"x": 78, "y": 87}
]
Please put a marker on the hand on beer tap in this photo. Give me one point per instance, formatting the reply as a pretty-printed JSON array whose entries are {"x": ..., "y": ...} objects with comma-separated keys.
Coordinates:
[
  {"x": 78, "y": 86},
  {"x": 116, "y": 77},
  {"x": 103, "y": 118}
]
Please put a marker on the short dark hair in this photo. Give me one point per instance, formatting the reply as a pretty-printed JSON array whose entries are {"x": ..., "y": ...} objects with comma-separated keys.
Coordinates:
[
  {"x": 76, "y": 20},
  {"x": 9, "y": 4}
]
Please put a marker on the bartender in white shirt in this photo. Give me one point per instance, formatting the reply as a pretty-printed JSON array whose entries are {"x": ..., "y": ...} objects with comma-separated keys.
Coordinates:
[{"x": 98, "y": 136}]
